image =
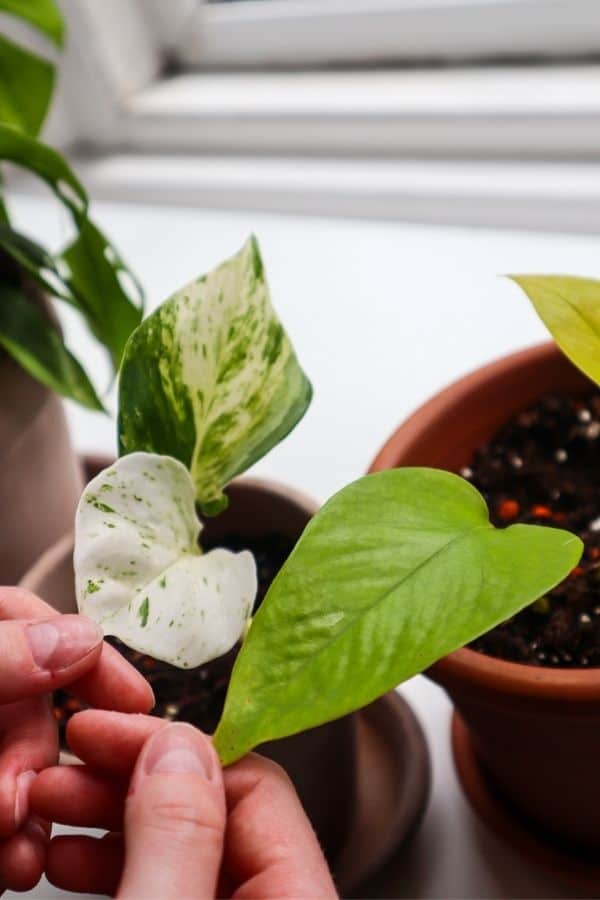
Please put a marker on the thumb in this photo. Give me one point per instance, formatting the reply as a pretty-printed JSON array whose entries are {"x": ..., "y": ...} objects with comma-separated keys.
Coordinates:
[
  {"x": 40, "y": 655},
  {"x": 174, "y": 818}
]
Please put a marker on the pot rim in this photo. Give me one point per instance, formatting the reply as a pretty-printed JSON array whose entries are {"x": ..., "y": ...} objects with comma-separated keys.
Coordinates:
[
  {"x": 493, "y": 674},
  {"x": 50, "y": 558},
  {"x": 466, "y": 665},
  {"x": 281, "y": 489},
  {"x": 425, "y": 415}
]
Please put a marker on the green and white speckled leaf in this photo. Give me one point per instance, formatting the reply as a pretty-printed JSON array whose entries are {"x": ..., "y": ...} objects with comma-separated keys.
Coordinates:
[
  {"x": 139, "y": 570},
  {"x": 211, "y": 378}
]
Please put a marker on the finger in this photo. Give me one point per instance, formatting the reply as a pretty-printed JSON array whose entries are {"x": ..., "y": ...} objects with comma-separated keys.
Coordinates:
[
  {"x": 74, "y": 795},
  {"x": 113, "y": 682},
  {"x": 38, "y": 656},
  {"x": 29, "y": 744},
  {"x": 110, "y": 741},
  {"x": 271, "y": 850},
  {"x": 35, "y": 656},
  {"x": 22, "y": 857},
  {"x": 17, "y": 603},
  {"x": 84, "y": 864},
  {"x": 174, "y": 818}
]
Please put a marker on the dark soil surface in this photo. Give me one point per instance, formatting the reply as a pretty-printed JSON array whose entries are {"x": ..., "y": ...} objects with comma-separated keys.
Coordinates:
[
  {"x": 543, "y": 468},
  {"x": 194, "y": 695}
]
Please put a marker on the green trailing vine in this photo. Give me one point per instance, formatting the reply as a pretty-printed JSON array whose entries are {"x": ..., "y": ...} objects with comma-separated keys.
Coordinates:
[{"x": 88, "y": 274}]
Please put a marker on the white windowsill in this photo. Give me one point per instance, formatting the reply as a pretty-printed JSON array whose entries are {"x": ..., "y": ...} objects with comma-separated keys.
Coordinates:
[
  {"x": 538, "y": 111},
  {"x": 550, "y": 197}
]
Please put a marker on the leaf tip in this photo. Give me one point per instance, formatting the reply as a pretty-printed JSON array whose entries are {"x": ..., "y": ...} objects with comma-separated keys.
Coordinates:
[
  {"x": 255, "y": 255},
  {"x": 517, "y": 279},
  {"x": 226, "y": 749}
]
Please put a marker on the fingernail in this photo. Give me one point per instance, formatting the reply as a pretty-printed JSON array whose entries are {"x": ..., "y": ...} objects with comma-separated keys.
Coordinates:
[
  {"x": 180, "y": 750},
  {"x": 24, "y": 781},
  {"x": 60, "y": 642}
]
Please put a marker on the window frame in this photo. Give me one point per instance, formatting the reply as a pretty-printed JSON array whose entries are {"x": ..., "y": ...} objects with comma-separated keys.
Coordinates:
[
  {"x": 127, "y": 91},
  {"x": 309, "y": 33},
  {"x": 114, "y": 83}
]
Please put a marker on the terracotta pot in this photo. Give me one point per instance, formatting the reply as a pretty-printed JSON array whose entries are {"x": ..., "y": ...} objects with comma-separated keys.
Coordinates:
[
  {"x": 40, "y": 476},
  {"x": 535, "y": 732},
  {"x": 364, "y": 780}
]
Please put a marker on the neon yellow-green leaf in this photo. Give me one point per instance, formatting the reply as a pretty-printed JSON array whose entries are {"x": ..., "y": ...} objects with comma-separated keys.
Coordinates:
[
  {"x": 395, "y": 571},
  {"x": 570, "y": 308}
]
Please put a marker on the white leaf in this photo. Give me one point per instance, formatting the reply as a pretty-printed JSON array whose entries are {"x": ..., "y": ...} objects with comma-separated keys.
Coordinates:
[{"x": 139, "y": 570}]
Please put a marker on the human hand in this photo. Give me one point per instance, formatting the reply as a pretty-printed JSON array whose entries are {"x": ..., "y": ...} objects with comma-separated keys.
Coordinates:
[
  {"x": 179, "y": 826},
  {"x": 40, "y": 651}
]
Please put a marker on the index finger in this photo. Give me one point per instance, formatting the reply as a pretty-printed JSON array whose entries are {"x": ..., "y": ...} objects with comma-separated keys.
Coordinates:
[
  {"x": 111, "y": 684},
  {"x": 110, "y": 742}
]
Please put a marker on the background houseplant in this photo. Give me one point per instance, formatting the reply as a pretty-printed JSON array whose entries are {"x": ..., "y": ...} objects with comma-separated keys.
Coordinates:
[
  {"x": 39, "y": 476},
  {"x": 531, "y": 732}
]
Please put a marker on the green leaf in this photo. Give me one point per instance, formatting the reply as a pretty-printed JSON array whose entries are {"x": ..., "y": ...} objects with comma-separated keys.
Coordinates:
[
  {"x": 139, "y": 570},
  {"x": 211, "y": 378},
  {"x": 3, "y": 210},
  {"x": 42, "y": 14},
  {"x": 29, "y": 337},
  {"x": 35, "y": 260},
  {"x": 570, "y": 308},
  {"x": 28, "y": 253},
  {"x": 395, "y": 571},
  {"x": 26, "y": 84},
  {"x": 94, "y": 268},
  {"x": 93, "y": 282},
  {"x": 45, "y": 162}
]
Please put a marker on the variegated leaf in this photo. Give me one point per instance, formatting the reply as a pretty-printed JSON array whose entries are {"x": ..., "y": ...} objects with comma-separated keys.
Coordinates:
[
  {"x": 211, "y": 378},
  {"x": 140, "y": 572}
]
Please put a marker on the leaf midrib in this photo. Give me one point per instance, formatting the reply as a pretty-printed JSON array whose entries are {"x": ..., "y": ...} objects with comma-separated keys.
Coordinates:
[
  {"x": 575, "y": 309},
  {"x": 382, "y": 599}
]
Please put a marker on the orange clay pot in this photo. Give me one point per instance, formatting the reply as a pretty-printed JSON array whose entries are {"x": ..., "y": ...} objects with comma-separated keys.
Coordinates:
[{"x": 534, "y": 733}]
